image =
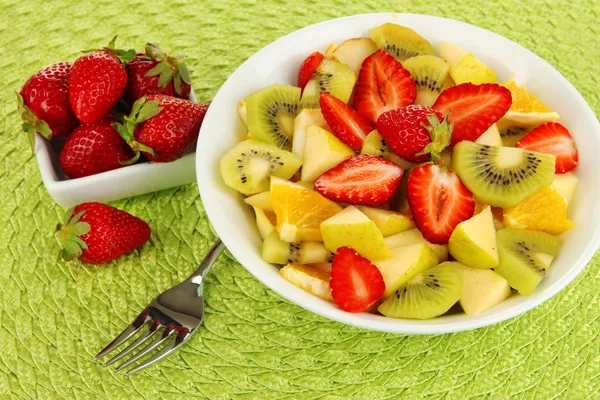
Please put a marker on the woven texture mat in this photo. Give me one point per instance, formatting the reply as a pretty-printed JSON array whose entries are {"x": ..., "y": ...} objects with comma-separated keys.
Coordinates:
[{"x": 254, "y": 345}]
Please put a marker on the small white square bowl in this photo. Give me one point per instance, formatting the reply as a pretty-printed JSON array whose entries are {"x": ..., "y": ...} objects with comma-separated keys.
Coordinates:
[{"x": 117, "y": 184}]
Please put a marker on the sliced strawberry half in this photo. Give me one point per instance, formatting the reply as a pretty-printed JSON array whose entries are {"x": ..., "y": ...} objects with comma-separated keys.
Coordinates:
[
  {"x": 473, "y": 108},
  {"x": 308, "y": 68},
  {"x": 439, "y": 201},
  {"x": 345, "y": 123},
  {"x": 553, "y": 138},
  {"x": 362, "y": 179},
  {"x": 383, "y": 85},
  {"x": 356, "y": 284}
]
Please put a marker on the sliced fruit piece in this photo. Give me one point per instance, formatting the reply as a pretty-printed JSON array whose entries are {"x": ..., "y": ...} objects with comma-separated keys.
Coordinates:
[
  {"x": 306, "y": 118},
  {"x": 491, "y": 137},
  {"x": 276, "y": 251},
  {"x": 451, "y": 53},
  {"x": 299, "y": 211},
  {"x": 323, "y": 266},
  {"x": 329, "y": 51},
  {"x": 438, "y": 201},
  {"x": 388, "y": 222},
  {"x": 265, "y": 221},
  {"x": 383, "y": 85},
  {"x": 361, "y": 179},
  {"x": 356, "y": 284},
  {"x": 565, "y": 184},
  {"x": 308, "y": 68},
  {"x": 405, "y": 262},
  {"x": 400, "y": 41},
  {"x": 497, "y": 214},
  {"x": 525, "y": 255},
  {"x": 482, "y": 288},
  {"x": 271, "y": 112},
  {"x": 473, "y": 108},
  {"x": 429, "y": 73},
  {"x": 526, "y": 109},
  {"x": 473, "y": 241},
  {"x": 501, "y": 176},
  {"x": 545, "y": 210},
  {"x": 249, "y": 165},
  {"x": 552, "y": 138},
  {"x": 376, "y": 146},
  {"x": 243, "y": 112},
  {"x": 323, "y": 151},
  {"x": 414, "y": 236},
  {"x": 511, "y": 134},
  {"x": 353, "y": 52},
  {"x": 354, "y": 229},
  {"x": 471, "y": 69},
  {"x": 346, "y": 124},
  {"x": 313, "y": 280},
  {"x": 260, "y": 200},
  {"x": 428, "y": 294},
  {"x": 332, "y": 77}
]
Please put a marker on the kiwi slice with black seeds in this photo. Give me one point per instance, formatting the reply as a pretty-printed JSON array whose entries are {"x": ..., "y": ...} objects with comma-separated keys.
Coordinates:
[
  {"x": 428, "y": 294},
  {"x": 248, "y": 167},
  {"x": 502, "y": 176},
  {"x": 276, "y": 251},
  {"x": 376, "y": 146},
  {"x": 400, "y": 41},
  {"x": 271, "y": 112},
  {"x": 430, "y": 73},
  {"x": 332, "y": 77},
  {"x": 511, "y": 135},
  {"x": 525, "y": 255}
]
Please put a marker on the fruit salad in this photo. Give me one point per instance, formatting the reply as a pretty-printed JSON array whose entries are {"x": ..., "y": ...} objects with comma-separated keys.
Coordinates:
[{"x": 405, "y": 180}]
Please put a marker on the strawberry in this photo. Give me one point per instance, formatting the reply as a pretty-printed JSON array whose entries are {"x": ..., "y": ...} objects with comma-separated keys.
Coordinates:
[
  {"x": 163, "y": 127},
  {"x": 473, "y": 108},
  {"x": 345, "y": 123},
  {"x": 44, "y": 102},
  {"x": 97, "y": 82},
  {"x": 362, "y": 179},
  {"x": 308, "y": 68},
  {"x": 97, "y": 233},
  {"x": 439, "y": 201},
  {"x": 416, "y": 133},
  {"x": 94, "y": 148},
  {"x": 553, "y": 138},
  {"x": 157, "y": 73},
  {"x": 383, "y": 85},
  {"x": 356, "y": 284}
]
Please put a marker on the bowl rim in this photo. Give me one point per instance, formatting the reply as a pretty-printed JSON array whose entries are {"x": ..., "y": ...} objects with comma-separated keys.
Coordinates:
[{"x": 377, "y": 322}]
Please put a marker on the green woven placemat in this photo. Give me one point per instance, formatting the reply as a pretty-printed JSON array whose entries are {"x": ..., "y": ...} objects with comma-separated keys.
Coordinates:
[{"x": 255, "y": 345}]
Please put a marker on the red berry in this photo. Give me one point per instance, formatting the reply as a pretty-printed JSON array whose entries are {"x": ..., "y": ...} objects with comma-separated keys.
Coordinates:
[
  {"x": 345, "y": 123},
  {"x": 308, "y": 68},
  {"x": 553, "y": 138}
]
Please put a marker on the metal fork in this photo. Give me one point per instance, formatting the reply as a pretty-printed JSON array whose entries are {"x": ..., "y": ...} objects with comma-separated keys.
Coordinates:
[{"x": 174, "y": 315}]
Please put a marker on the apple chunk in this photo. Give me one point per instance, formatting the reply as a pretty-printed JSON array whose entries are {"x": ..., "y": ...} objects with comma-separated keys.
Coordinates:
[
  {"x": 354, "y": 51},
  {"x": 352, "y": 228},
  {"x": 388, "y": 222},
  {"x": 414, "y": 236},
  {"x": 491, "y": 137},
  {"x": 306, "y": 118},
  {"x": 473, "y": 241},
  {"x": 323, "y": 151}
]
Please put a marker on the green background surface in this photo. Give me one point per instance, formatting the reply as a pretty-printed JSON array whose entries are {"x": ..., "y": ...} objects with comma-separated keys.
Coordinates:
[{"x": 255, "y": 345}]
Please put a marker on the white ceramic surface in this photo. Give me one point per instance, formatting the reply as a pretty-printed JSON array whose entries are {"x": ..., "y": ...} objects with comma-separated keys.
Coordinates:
[
  {"x": 117, "y": 184},
  {"x": 278, "y": 63}
]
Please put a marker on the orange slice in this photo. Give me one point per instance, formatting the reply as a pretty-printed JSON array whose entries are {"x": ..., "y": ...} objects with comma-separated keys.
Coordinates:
[
  {"x": 299, "y": 211},
  {"x": 526, "y": 109}
]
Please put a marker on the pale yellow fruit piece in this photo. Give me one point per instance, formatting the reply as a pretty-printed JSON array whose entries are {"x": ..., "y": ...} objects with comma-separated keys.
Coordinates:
[
  {"x": 405, "y": 262},
  {"x": 329, "y": 51},
  {"x": 491, "y": 137},
  {"x": 482, "y": 288},
  {"x": 473, "y": 242},
  {"x": 265, "y": 221},
  {"x": 389, "y": 222},
  {"x": 299, "y": 211},
  {"x": 451, "y": 53},
  {"x": 323, "y": 266},
  {"x": 352, "y": 228},
  {"x": 310, "y": 279},
  {"x": 471, "y": 69},
  {"x": 323, "y": 151},
  {"x": 414, "y": 236},
  {"x": 565, "y": 184},
  {"x": 260, "y": 200},
  {"x": 353, "y": 52},
  {"x": 526, "y": 109},
  {"x": 303, "y": 120},
  {"x": 243, "y": 112}
]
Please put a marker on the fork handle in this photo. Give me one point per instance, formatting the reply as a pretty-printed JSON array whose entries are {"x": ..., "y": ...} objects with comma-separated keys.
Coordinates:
[{"x": 199, "y": 274}]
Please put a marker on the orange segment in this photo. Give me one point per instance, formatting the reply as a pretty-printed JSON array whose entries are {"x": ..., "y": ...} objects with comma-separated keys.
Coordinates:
[
  {"x": 523, "y": 101},
  {"x": 545, "y": 210},
  {"x": 299, "y": 211}
]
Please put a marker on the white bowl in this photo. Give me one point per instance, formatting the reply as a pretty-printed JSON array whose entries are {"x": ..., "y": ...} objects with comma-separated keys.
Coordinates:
[
  {"x": 279, "y": 62},
  {"x": 117, "y": 184}
]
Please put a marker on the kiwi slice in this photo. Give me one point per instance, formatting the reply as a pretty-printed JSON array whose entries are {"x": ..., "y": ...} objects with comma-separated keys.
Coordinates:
[
  {"x": 276, "y": 251},
  {"x": 271, "y": 112},
  {"x": 430, "y": 73},
  {"x": 332, "y": 77},
  {"x": 510, "y": 135},
  {"x": 502, "y": 176},
  {"x": 248, "y": 167},
  {"x": 400, "y": 41},
  {"x": 428, "y": 294},
  {"x": 376, "y": 146},
  {"x": 525, "y": 255}
]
